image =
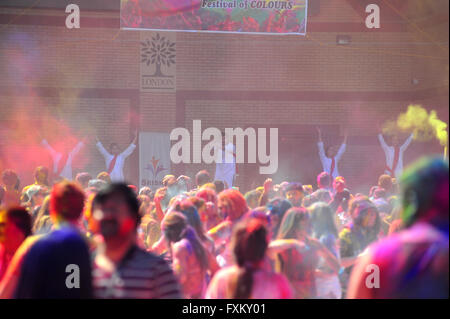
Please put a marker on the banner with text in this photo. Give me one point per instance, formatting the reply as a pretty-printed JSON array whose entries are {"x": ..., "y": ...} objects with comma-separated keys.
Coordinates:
[
  {"x": 154, "y": 158},
  {"x": 236, "y": 16}
]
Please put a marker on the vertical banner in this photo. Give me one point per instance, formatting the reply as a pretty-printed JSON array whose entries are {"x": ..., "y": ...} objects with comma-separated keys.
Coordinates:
[
  {"x": 158, "y": 53},
  {"x": 235, "y": 16},
  {"x": 154, "y": 158}
]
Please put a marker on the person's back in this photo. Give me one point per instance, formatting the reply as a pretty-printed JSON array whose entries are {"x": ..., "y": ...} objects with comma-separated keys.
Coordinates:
[
  {"x": 299, "y": 269},
  {"x": 266, "y": 285},
  {"x": 47, "y": 268},
  {"x": 413, "y": 263}
]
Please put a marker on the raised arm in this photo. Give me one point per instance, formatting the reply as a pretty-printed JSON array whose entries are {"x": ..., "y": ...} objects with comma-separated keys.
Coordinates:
[
  {"x": 407, "y": 142},
  {"x": 50, "y": 149},
  {"x": 131, "y": 147},
  {"x": 343, "y": 147},
  {"x": 77, "y": 148},
  {"x": 320, "y": 145},
  {"x": 101, "y": 149},
  {"x": 382, "y": 142}
]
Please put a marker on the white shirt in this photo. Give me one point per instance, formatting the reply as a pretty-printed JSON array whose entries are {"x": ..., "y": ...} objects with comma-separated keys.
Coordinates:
[
  {"x": 117, "y": 172},
  {"x": 226, "y": 164},
  {"x": 389, "y": 152},
  {"x": 326, "y": 161},
  {"x": 57, "y": 156}
]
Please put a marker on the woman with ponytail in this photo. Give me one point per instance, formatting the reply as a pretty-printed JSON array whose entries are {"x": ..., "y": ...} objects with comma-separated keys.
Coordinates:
[
  {"x": 190, "y": 259},
  {"x": 248, "y": 278}
]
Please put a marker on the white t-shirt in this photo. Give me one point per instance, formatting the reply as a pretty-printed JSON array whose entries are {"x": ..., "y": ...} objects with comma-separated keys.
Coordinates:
[{"x": 117, "y": 172}]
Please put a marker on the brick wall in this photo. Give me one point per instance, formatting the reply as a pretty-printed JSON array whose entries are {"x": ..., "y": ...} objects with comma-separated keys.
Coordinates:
[{"x": 290, "y": 82}]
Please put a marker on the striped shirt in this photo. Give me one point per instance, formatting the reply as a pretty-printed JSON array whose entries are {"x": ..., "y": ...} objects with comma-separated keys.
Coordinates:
[{"x": 139, "y": 275}]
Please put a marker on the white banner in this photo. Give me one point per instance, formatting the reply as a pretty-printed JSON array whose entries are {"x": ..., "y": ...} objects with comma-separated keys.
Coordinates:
[{"x": 154, "y": 158}]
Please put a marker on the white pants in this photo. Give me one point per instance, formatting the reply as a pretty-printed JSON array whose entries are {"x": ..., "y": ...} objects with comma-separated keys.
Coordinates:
[{"x": 328, "y": 287}]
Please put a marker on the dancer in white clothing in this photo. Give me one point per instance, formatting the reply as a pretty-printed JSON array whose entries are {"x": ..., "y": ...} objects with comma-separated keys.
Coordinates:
[
  {"x": 62, "y": 161},
  {"x": 115, "y": 160},
  {"x": 331, "y": 156},
  {"x": 226, "y": 163},
  {"x": 394, "y": 154}
]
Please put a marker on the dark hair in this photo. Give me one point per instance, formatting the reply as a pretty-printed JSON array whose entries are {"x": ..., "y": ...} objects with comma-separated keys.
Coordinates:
[
  {"x": 83, "y": 178},
  {"x": 41, "y": 170},
  {"x": 20, "y": 218},
  {"x": 127, "y": 194},
  {"x": 252, "y": 195},
  {"x": 294, "y": 187},
  {"x": 9, "y": 176},
  {"x": 327, "y": 150},
  {"x": 385, "y": 181},
  {"x": 278, "y": 206},
  {"x": 291, "y": 222},
  {"x": 175, "y": 227},
  {"x": 359, "y": 208},
  {"x": 202, "y": 177},
  {"x": 220, "y": 186},
  {"x": 188, "y": 209},
  {"x": 249, "y": 244},
  {"x": 112, "y": 145},
  {"x": 322, "y": 220},
  {"x": 324, "y": 179}
]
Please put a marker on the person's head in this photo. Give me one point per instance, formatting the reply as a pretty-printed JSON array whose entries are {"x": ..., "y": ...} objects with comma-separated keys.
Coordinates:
[
  {"x": 10, "y": 178},
  {"x": 83, "y": 179},
  {"x": 202, "y": 177},
  {"x": 277, "y": 207},
  {"x": 321, "y": 195},
  {"x": 232, "y": 204},
  {"x": 220, "y": 186},
  {"x": 188, "y": 209},
  {"x": 95, "y": 185},
  {"x": 104, "y": 176},
  {"x": 115, "y": 211},
  {"x": 424, "y": 193},
  {"x": 331, "y": 151},
  {"x": 339, "y": 184},
  {"x": 146, "y": 191},
  {"x": 379, "y": 193},
  {"x": 252, "y": 198},
  {"x": 114, "y": 149},
  {"x": 385, "y": 181},
  {"x": 15, "y": 226},
  {"x": 169, "y": 180},
  {"x": 324, "y": 180},
  {"x": 322, "y": 220},
  {"x": 295, "y": 193},
  {"x": 295, "y": 224},
  {"x": 66, "y": 202},
  {"x": 41, "y": 175},
  {"x": 175, "y": 227},
  {"x": 36, "y": 194},
  {"x": 208, "y": 195},
  {"x": 395, "y": 140},
  {"x": 365, "y": 214},
  {"x": 249, "y": 244},
  {"x": 184, "y": 183}
]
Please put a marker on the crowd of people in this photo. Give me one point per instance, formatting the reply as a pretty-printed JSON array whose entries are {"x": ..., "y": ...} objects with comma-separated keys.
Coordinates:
[{"x": 198, "y": 238}]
